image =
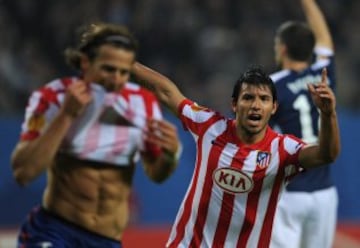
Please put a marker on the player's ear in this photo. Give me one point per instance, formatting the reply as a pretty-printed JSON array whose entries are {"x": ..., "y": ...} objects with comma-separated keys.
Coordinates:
[
  {"x": 233, "y": 106},
  {"x": 84, "y": 62},
  {"x": 283, "y": 49},
  {"x": 275, "y": 107}
]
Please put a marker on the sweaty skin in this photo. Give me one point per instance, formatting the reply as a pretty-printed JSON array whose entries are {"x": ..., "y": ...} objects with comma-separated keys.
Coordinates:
[{"x": 91, "y": 195}]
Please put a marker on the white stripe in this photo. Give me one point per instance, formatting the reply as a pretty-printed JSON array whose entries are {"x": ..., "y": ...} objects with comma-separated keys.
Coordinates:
[
  {"x": 157, "y": 114},
  {"x": 137, "y": 104}
]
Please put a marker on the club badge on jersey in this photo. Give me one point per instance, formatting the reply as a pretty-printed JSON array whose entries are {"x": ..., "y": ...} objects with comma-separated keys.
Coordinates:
[{"x": 263, "y": 159}]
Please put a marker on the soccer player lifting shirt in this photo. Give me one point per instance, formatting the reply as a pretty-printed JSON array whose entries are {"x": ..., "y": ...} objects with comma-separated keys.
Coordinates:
[{"x": 87, "y": 133}]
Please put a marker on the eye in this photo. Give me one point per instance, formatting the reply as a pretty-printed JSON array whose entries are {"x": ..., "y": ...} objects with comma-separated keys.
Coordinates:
[
  {"x": 247, "y": 97},
  {"x": 108, "y": 68},
  {"x": 124, "y": 72},
  {"x": 265, "y": 98}
]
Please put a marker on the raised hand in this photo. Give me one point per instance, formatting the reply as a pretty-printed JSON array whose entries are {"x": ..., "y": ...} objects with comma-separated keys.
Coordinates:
[
  {"x": 77, "y": 97},
  {"x": 322, "y": 95}
]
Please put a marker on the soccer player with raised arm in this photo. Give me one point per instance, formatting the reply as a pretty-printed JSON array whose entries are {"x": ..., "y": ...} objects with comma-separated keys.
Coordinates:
[
  {"x": 307, "y": 212},
  {"x": 242, "y": 165}
]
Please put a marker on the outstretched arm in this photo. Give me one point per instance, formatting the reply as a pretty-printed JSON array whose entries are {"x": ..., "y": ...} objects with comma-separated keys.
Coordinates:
[
  {"x": 317, "y": 23},
  {"x": 166, "y": 90},
  {"x": 329, "y": 138}
]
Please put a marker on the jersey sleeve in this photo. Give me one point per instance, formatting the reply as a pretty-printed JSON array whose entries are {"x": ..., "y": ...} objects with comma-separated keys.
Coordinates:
[
  {"x": 196, "y": 118},
  {"x": 41, "y": 109}
]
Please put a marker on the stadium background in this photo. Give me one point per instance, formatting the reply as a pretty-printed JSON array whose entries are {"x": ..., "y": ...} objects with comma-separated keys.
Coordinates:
[{"x": 202, "y": 44}]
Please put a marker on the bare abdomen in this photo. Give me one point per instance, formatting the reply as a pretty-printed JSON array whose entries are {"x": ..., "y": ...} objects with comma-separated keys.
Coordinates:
[{"x": 90, "y": 194}]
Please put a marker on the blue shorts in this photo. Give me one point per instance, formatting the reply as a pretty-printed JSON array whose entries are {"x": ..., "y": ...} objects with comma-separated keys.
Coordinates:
[{"x": 43, "y": 229}]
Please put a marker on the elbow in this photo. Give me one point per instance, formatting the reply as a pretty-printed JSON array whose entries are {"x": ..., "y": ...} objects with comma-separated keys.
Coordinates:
[
  {"x": 21, "y": 177},
  {"x": 331, "y": 157},
  {"x": 159, "y": 179}
]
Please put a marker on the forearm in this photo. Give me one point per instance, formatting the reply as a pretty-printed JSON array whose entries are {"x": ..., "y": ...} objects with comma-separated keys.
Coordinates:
[
  {"x": 316, "y": 20},
  {"x": 163, "y": 166},
  {"x": 329, "y": 137},
  {"x": 165, "y": 90},
  {"x": 30, "y": 159}
]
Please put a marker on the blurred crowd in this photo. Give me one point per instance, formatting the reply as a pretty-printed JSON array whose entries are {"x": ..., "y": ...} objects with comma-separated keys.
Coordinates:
[{"x": 203, "y": 45}]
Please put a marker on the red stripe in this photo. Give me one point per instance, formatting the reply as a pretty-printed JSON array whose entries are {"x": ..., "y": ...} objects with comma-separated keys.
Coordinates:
[
  {"x": 266, "y": 230},
  {"x": 203, "y": 207},
  {"x": 30, "y": 135},
  {"x": 180, "y": 228},
  {"x": 66, "y": 81}
]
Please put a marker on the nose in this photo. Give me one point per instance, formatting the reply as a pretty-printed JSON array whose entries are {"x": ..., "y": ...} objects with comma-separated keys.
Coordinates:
[
  {"x": 118, "y": 77},
  {"x": 255, "y": 103}
]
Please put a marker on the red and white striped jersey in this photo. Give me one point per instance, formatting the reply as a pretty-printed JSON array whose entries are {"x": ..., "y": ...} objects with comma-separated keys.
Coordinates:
[
  {"x": 234, "y": 190},
  {"x": 110, "y": 129}
]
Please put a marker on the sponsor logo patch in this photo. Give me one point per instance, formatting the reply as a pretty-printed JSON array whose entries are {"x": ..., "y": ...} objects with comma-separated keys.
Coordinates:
[{"x": 232, "y": 180}]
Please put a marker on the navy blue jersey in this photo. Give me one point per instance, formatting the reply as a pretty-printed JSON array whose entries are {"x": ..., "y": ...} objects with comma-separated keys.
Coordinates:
[{"x": 298, "y": 115}]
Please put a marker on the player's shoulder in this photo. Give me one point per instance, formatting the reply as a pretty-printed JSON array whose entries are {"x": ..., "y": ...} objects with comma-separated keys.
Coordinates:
[
  {"x": 280, "y": 75},
  {"x": 53, "y": 88}
]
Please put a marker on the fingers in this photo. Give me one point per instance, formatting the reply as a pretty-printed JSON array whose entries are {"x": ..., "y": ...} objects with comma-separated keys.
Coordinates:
[
  {"x": 324, "y": 76},
  {"x": 80, "y": 90},
  {"x": 163, "y": 134},
  {"x": 78, "y": 95}
]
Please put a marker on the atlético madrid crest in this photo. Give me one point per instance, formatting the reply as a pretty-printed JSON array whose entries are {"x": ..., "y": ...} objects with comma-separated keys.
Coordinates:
[{"x": 263, "y": 159}]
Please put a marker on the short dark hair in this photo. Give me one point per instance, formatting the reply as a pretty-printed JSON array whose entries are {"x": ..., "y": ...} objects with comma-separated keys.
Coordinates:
[
  {"x": 255, "y": 75},
  {"x": 298, "y": 38},
  {"x": 94, "y": 35}
]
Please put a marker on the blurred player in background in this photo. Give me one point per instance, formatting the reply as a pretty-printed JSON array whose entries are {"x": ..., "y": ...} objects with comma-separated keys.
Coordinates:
[
  {"x": 87, "y": 133},
  {"x": 241, "y": 164},
  {"x": 307, "y": 212}
]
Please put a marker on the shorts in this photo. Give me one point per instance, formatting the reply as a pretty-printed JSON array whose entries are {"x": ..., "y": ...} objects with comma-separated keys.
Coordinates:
[
  {"x": 43, "y": 229},
  {"x": 305, "y": 219}
]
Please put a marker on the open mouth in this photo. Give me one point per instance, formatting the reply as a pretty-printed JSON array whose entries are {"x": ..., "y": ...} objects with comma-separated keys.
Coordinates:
[{"x": 254, "y": 119}]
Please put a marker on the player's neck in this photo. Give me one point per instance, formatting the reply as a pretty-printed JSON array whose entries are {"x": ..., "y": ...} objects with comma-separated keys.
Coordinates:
[
  {"x": 294, "y": 65},
  {"x": 249, "y": 138}
]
